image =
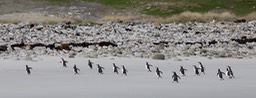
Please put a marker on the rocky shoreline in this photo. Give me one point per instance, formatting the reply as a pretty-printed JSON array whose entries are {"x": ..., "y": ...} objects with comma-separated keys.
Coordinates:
[{"x": 129, "y": 39}]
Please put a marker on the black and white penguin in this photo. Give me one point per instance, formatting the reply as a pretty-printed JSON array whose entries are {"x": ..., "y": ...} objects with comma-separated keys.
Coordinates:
[
  {"x": 182, "y": 70},
  {"x": 76, "y": 69},
  {"x": 100, "y": 69},
  {"x": 148, "y": 67},
  {"x": 115, "y": 68},
  {"x": 202, "y": 68},
  {"x": 231, "y": 72},
  {"x": 196, "y": 70},
  {"x": 219, "y": 74},
  {"x": 175, "y": 77},
  {"x": 124, "y": 70},
  {"x": 64, "y": 62},
  {"x": 28, "y": 69},
  {"x": 158, "y": 72},
  {"x": 90, "y": 64},
  {"x": 228, "y": 73}
]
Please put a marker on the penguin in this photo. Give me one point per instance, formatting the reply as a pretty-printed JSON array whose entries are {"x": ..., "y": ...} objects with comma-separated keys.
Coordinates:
[
  {"x": 201, "y": 67},
  {"x": 148, "y": 67},
  {"x": 100, "y": 69},
  {"x": 196, "y": 70},
  {"x": 115, "y": 68},
  {"x": 28, "y": 69},
  {"x": 90, "y": 64},
  {"x": 76, "y": 69},
  {"x": 64, "y": 62},
  {"x": 182, "y": 70},
  {"x": 124, "y": 70},
  {"x": 228, "y": 73},
  {"x": 231, "y": 72},
  {"x": 175, "y": 77},
  {"x": 219, "y": 74},
  {"x": 158, "y": 72}
]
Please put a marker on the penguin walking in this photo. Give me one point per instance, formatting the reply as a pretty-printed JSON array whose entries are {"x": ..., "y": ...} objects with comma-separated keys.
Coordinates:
[
  {"x": 219, "y": 74},
  {"x": 182, "y": 70},
  {"x": 90, "y": 64},
  {"x": 115, "y": 68},
  {"x": 231, "y": 72},
  {"x": 228, "y": 73},
  {"x": 124, "y": 70},
  {"x": 148, "y": 67},
  {"x": 158, "y": 72},
  {"x": 64, "y": 62},
  {"x": 196, "y": 70},
  {"x": 28, "y": 69},
  {"x": 175, "y": 77},
  {"x": 100, "y": 69},
  {"x": 202, "y": 68},
  {"x": 76, "y": 69}
]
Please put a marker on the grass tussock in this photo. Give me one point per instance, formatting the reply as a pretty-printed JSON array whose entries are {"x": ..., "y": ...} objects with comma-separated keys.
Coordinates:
[
  {"x": 118, "y": 18},
  {"x": 183, "y": 17},
  {"x": 251, "y": 16},
  {"x": 202, "y": 17},
  {"x": 31, "y": 17}
]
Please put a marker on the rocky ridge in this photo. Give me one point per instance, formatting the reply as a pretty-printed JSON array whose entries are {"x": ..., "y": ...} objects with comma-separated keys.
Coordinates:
[{"x": 129, "y": 39}]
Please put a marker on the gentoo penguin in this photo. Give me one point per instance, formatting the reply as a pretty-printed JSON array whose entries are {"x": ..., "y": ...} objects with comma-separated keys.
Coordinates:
[
  {"x": 201, "y": 67},
  {"x": 100, "y": 69},
  {"x": 175, "y": 77},
  {"x": 28, "y": 69},
  {"x": 64, "y": 62},
  {"x": 76, "y": 69},
  {"x": 219, "y": 74},
  {"x": 196, "y": 70},
  {"x": 231, "y": 72},
  {"x": 158, "y": 72},
  {"x": 182, "y": 70},
  {"x": 124, "y": 70},
  {"x": 228, "y": 73},
  {"x": 115, "y": 68},
  {"x": 148, "y": 67},
  {"x": 90, "y": 64}
]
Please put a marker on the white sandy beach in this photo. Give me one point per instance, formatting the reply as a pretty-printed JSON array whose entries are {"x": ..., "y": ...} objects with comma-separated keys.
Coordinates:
[{"x": 50, "y": 80}]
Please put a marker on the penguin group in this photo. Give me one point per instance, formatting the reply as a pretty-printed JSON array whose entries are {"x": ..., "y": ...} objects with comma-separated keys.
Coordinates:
[
  {"x": 228, "y": 73},
  {"x": 175, "y": 76},
  {"x": 197, "y": 71}
]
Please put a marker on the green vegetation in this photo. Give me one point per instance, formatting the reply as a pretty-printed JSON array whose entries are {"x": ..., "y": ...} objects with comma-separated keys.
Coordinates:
[
  {"x": 117, "y": 3},
  {"x": 60, "y": 1},
  {"x": 171, "y": 7}
]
